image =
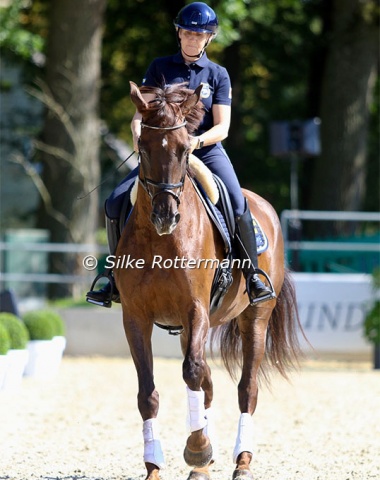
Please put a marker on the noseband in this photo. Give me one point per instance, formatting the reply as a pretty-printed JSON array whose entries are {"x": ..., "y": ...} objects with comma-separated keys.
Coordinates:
[{"x": 161, "y": 186}]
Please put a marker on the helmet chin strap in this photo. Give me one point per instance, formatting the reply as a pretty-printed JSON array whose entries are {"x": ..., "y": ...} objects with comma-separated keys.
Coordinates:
[
  {"x": 198, "y": 56},
  {"x": 194, "y": 56}
]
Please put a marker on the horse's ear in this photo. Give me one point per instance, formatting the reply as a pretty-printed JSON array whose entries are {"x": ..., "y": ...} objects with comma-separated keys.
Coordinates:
[
  {"x": 137, "y": 98},
  {"x": 191, "y": 100}
]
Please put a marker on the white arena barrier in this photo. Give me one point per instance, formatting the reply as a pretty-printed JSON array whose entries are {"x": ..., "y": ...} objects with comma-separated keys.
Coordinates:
[{"x": 332, "y": 310}]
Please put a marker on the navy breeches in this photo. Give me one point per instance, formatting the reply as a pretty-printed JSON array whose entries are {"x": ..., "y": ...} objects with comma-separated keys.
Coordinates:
[{"x": 216, "y": 159}]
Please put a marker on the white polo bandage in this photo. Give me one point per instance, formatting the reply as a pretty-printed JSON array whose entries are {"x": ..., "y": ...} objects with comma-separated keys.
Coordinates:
[
  {"x": 244, "y": 439},
  {"x": 152, "y": 444},
  {"x": 196, "y": 409},
  {"x": 210, "y": 431}
]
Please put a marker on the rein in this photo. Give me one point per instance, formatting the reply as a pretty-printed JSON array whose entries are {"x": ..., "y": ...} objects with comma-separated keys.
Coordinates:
[{"x": 161, "y": 186}]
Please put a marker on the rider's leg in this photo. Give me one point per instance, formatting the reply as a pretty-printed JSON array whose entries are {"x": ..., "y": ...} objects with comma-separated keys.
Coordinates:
[
  {"x": 246, "y": 239},
  {"x": 114, "y": 203},
  {"x": 109, "y": 293},
  {"x": 218, "y": 162},
  {"x": 113, "y": 207}
]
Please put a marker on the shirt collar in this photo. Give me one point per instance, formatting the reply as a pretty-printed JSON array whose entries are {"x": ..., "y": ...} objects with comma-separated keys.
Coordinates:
[{"x": 202, "y": 62}]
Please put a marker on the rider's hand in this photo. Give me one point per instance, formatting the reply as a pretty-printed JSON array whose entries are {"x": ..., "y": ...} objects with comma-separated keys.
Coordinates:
[
  {"x": 136, "y": 143},
  {"x": 194, "y": 141}
]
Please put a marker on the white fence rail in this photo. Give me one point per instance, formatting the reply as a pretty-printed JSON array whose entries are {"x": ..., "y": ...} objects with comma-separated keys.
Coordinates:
[
  {"x": 287, "y": 217},
  {"x": 292, "y": 220},
  {"x": 43, "y": 277}
]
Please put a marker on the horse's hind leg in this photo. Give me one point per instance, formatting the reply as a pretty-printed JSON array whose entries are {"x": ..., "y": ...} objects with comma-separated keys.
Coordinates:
[{"x": 252, "y": 324}]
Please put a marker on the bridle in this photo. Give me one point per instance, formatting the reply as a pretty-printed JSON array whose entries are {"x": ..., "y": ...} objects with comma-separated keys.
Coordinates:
[{"x": 162, "y": 187}]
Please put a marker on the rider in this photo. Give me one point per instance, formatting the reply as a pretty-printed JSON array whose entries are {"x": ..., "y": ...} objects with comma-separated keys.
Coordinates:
[{"x": 196, "y": 25}]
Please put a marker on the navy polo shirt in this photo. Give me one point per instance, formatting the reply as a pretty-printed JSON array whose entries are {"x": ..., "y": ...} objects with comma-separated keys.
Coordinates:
[{"x": 214, "y": 78}]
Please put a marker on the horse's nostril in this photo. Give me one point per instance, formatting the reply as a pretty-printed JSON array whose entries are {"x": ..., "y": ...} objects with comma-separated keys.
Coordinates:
[{"x": 165, "y": 225}]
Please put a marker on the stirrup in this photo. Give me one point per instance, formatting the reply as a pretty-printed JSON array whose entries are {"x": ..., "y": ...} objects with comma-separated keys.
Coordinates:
[
  {"x": 107, "y": 303},
  {"x": 264, "y": 298}
]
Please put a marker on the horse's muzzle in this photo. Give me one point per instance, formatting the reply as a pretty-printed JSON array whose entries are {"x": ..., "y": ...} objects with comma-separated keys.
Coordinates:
[{"x": 165, "y": 225}]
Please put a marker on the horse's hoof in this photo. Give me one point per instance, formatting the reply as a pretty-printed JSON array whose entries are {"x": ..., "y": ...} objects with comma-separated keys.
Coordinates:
[
  {"x": 198, "y": 476},
  {"x": 198, "y": 459},
  {"x": 242, "y": 475}
]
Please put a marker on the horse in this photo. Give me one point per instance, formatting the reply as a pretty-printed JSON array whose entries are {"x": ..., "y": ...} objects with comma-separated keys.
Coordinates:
[{"x": 165, "y": 240}]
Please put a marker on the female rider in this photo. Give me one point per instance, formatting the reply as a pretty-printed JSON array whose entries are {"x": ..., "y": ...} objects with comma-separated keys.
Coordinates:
[{"x": 196, "y": 25}]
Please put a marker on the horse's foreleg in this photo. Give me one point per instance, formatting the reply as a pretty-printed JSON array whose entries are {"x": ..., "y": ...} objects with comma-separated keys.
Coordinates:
[
  {"x": 252, "y": 326},
  {"x": 196, "y": 374},
  {"x": 139, "y": 340}
]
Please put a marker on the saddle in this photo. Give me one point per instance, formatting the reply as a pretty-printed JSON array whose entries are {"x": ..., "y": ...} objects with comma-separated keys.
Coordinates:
[{"x": 216, "y": 200}]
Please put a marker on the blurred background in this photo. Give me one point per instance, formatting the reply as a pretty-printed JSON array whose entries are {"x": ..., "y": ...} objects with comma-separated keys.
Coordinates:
[{"x": 304, "y": 135}]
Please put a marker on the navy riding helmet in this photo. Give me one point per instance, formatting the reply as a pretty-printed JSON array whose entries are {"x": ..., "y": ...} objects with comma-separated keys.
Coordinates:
[{"x": 197, "y": 17}]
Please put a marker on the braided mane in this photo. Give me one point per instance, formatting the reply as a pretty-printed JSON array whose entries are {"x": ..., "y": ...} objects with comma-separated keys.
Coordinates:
[{"x": 166, "y": 108}]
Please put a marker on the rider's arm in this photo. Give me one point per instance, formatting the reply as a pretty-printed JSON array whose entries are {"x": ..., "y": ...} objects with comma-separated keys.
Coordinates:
[{"x": 219, "y": 131}]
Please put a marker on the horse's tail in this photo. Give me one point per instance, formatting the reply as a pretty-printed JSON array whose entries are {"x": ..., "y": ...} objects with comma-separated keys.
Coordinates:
[{"x": 282, "y": 342}]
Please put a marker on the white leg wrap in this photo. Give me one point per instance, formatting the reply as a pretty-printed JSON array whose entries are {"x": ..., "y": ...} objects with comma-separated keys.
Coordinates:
[
  {"x": 196, "y": 409},
  {"x": 210, "y": 431},
  {"x": 244, "y": 439},
  {"x": 152, "y": 444}
]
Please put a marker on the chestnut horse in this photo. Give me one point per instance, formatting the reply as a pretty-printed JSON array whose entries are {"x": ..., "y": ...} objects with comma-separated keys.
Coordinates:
[{"x": 167, "y": 233}]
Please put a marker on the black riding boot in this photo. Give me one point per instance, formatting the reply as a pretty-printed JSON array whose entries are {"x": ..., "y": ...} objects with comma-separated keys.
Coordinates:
[
  {"x": 257, "y": 290},
  {"x": 109, "y": 293}
]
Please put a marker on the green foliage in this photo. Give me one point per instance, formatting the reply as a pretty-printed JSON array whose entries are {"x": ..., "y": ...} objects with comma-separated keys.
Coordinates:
[
  {"x": 372, "y": 320},
  {"x": 44, "y": 324},
  {"x": 372, "y": 324},
  {"x": 14, "y": 36},
  {"x": 230, "y": 14},
  {"x": 5, "y": 340},
  {"x": 267, "y": 47},
  {"x": 274, "y": 51},
  {"x": 17, "y": 331}
]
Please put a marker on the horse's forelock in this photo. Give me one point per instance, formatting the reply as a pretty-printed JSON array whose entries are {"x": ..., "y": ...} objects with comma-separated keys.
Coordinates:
[{"x": 166, "y": 106}]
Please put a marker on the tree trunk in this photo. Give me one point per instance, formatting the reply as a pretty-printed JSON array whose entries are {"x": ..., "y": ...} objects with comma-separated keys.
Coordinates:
[
  {"x": 347, "y": 86},
  {"x": 70, "y": 137},
  {"x": 376, "y": 357}
]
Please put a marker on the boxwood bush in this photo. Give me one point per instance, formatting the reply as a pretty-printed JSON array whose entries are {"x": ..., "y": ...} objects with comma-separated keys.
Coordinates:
[
  {"x": 44, "y": 324},
  {"x": 59, "y": 324},
  {"x": 5, "y": 340},
  {"x": 17, "y": 331}
]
